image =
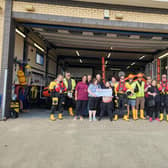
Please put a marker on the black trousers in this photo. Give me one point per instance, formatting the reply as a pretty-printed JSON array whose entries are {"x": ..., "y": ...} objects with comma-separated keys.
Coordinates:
[
  {"x": 164, "y": 103},
  {"x": 98, "y": 109},
  {"x": 147, "y": 109},
  {"x": 81, "y": 106},
  {"x": 69, "y": 102},
  {"x": 154, "y": 110},
  {"x": 107, "y": 107},
  {"x": 60, "y": 106},
  {"x": 122, "y": 104}
]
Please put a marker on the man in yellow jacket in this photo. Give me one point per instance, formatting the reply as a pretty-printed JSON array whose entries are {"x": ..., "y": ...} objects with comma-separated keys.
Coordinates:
[
  {"x": 140, "y": 96},
  {"x": 70, "y": 85}
]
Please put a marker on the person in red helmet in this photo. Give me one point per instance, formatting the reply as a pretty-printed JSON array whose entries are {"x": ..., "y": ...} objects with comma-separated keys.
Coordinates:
[
  {"x": 121, "y": 96},
  {"x": 57, "y": 90}
]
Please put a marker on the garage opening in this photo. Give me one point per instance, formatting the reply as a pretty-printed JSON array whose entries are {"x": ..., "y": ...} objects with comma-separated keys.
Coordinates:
[{"x": 42, "y": 51}]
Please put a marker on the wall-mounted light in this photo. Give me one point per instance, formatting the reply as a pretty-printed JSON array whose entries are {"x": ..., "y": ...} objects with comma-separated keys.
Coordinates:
[
  {"x": 37, "y": 46},
  {"x": 30, "y": 8},
  {"x": 20, "y": 33},
  {"x": 142, "y": 57},
  {"x": 164, "y": 55},
  {"x": 128, "y": 67},
  {"x": 119, "y": 16},
  {"x": 77, "y": 53},
  {"x": 106, "y": 14}
]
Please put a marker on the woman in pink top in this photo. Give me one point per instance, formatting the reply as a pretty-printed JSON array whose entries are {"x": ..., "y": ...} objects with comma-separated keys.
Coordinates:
[
  {"x": 81, "y": 97},
  {"x": 107, "y": 104}
]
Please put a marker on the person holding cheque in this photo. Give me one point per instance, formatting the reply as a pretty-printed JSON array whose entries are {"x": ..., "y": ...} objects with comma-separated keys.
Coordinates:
[
  {"x": 93, "y": 99},
  {"x": 107, "y": 102}
]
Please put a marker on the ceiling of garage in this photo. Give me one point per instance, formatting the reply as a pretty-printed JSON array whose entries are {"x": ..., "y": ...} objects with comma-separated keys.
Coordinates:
[
  {"x": 140, "y": 3},
  {"x": 124, "y": 48}
]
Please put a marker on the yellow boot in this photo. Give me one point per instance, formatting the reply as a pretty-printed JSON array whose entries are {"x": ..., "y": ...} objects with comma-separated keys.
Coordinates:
[
  {"x": 167, "y": 117},
  {"x": 71, "y": 111},
  {"x": 60, "y": 116},
  {"x": 161, "y": 116},
  {"x": 134, "y": 115},
  {"x": 142, "y": 115},
  {"x": 115, "y": 117},
  {"x": 125, "y": 118},
  {"x": 52, "y": 118}
]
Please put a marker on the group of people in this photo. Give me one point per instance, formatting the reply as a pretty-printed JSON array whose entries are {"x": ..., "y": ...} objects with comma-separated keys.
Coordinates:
[{"x": 146, "y": 98}]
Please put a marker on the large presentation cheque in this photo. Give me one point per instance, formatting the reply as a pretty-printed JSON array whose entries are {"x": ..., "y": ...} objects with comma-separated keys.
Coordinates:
[{"x": 103, "y": 92}]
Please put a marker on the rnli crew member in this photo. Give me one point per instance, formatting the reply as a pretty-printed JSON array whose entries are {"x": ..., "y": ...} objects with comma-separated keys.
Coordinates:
[
  {"x": 70, "y": 84},
  {"x": 163, "y": 88},
  {"x": 57, "y": 90},
  {"x": 140, "y": 99},
  {"x": 131, "y": 96},
  {"x": 147, "y": 86},
  {"x": 120, "y": 91},
  {"x": 107, "y": 104}
]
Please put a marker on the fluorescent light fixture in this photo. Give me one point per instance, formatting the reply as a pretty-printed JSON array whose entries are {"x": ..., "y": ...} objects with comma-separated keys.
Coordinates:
[
  {"x": 133, "y": 64},
  {"x": 115, "y": 69},
  {"x": 164, "y": 55},
  {"x": 106, "y": 62},
  {"x": 128, "y": 67},
  {"x": 77, "y": 53},
  {"x": 81, "y": 61},
  {"x": 37, "y": 46},
  {"x": 20, "y": 33},
  {"x": 109, "y": 54},
  {"x": 142, "y": 57}
]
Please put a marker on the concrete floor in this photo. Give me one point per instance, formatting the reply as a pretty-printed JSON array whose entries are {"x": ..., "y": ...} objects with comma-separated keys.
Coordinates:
[{"x": 32, "y": 141}]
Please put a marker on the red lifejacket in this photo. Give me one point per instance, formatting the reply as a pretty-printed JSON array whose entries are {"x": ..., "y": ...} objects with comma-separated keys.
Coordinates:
[
  {"x": 163, "y": 86},
  {"x": 121, "y": 86},
  {"x": 60, "y": 88}
]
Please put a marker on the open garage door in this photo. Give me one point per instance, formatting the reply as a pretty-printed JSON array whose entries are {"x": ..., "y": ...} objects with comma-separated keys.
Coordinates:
[{"x": 84, "y": 47}]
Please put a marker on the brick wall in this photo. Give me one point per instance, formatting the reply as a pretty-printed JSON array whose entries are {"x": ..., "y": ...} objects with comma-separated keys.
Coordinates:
[{"x": 77, "y": 9}]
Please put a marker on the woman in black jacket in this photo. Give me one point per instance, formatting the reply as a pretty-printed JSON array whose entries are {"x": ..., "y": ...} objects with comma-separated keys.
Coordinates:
[{"x": 153, "y": 101}]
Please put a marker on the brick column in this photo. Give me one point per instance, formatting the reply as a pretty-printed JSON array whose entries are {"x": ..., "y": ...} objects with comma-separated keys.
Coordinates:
[{"x": 7, "y": 60}]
